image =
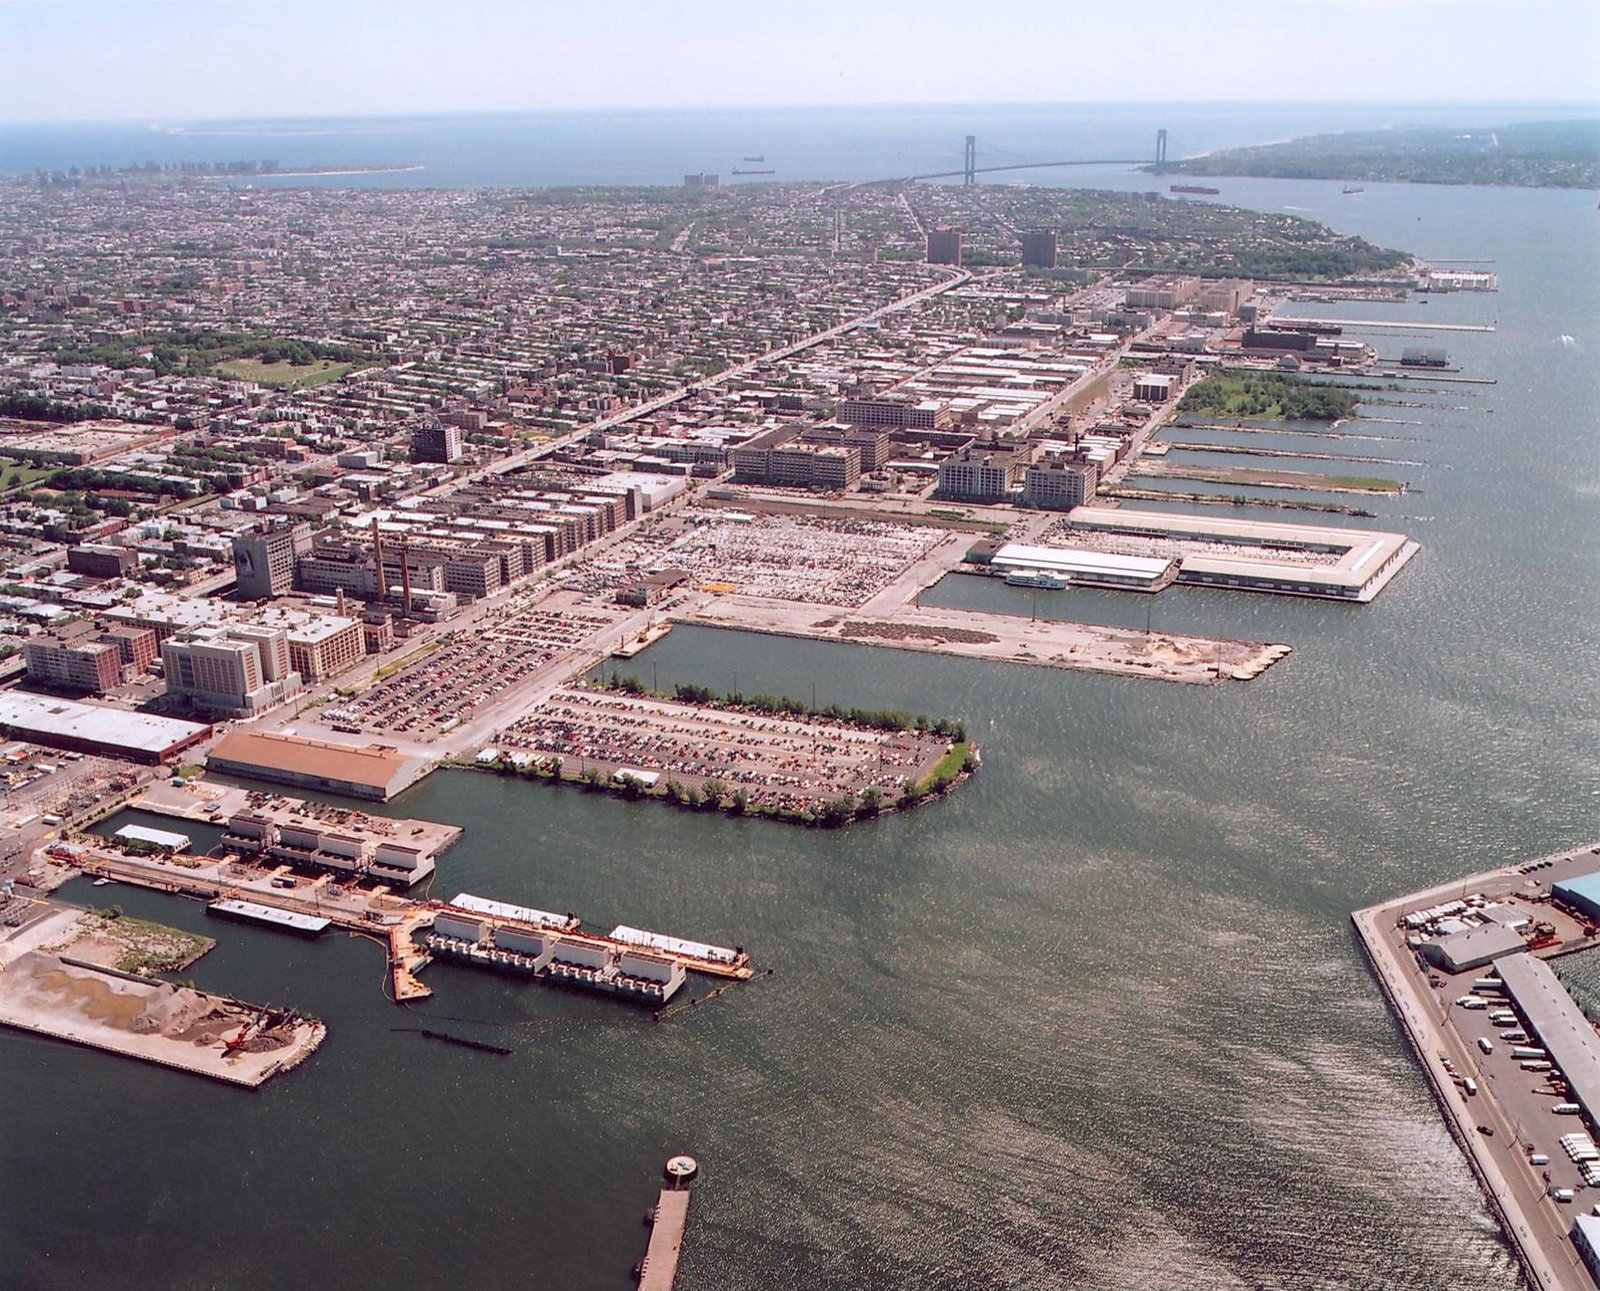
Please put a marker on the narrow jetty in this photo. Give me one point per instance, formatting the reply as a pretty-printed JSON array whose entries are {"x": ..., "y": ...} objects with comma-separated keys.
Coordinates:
[{"x": 659, "y": 1268}]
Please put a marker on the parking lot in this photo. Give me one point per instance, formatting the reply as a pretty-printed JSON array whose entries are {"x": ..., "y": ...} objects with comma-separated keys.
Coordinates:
[
  {"x": 796, "y": 763},
  {"x": 449, "y": 685}
]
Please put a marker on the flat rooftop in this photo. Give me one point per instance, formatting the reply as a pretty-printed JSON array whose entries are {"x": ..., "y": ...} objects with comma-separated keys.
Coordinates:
[
  {"x": 1075, "y": 560},
  {"x": 270, "y": 915},
  {"x": 1360, "y": 560},
  {"x": 1559, "y": 1024},
  {"x": 302, "y": 761},
  {"x": 44, "y": 720}
]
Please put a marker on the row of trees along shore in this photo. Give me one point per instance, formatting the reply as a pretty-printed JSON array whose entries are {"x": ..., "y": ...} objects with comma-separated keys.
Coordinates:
[
  {"x": 715, "y": 795},
  {"x": 881, "y": 719}
]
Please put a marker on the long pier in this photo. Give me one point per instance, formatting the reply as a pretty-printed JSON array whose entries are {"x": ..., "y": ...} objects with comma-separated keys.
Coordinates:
[{"x": 1391, "y": 323}]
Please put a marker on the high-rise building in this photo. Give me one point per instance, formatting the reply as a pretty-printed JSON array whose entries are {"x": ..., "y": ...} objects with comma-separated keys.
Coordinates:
[
  {"x": 1039, "y": 249},
  {"x": 944, "y": 246},
  {"x": 434, "y": 441},
  {"x": 263, "y": 559}
]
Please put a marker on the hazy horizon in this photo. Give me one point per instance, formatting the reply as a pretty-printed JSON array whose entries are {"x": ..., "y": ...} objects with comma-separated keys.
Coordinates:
[{"x": 83, "y": 61}]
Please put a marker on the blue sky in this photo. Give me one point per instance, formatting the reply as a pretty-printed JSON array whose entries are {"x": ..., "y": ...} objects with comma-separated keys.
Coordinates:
[{"x": 182, "y": 59}]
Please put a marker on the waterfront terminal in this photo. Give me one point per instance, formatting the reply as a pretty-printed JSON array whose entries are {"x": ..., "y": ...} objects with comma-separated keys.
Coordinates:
[{"x": 1511, "y": 1058}]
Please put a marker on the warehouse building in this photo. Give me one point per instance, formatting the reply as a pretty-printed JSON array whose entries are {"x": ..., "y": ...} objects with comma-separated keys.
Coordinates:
[
  {"x": 373, "y": 773},
  {"x": 1473, "y": 947},
  {"x": 1558, "y": 1024},
  {"x": 87, "y": 728},
  {"x": 1099, "y": 568}
]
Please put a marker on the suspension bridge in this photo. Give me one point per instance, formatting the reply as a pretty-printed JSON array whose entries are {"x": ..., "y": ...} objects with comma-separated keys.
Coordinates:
[{"x": 970, "y": 170}]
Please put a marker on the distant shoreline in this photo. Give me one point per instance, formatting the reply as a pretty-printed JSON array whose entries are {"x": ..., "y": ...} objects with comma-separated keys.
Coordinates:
[{"x": 313, "y": 174}]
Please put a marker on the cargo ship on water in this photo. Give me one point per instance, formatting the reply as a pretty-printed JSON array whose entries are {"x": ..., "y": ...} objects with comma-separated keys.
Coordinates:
[{"x": 1194, "y": 188}]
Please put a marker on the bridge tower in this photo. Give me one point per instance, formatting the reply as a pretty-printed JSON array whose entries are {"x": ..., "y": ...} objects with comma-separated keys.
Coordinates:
[
  {"x": 1161, "y": 150},
  {"x": 969, "y": 164}
]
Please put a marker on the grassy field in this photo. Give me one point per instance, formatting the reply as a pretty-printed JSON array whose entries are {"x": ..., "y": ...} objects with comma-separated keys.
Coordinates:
[
  {"x": 1274, "y": 396},
  {"x": 304, "y": 375},
  {"x": 15, "y": 474}
]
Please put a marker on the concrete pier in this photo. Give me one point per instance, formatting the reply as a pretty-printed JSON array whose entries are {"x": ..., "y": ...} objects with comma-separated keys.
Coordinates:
[
  {"x": 659, "y": 1268},
  {"x": 152, "y": 1020}
]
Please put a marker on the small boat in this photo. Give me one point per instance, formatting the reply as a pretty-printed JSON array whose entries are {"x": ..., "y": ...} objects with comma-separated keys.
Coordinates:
[
  {"x": 1353, "y": 188},
  {"x": 757, "y": 157},
  {"x": 100, "y": 883}
]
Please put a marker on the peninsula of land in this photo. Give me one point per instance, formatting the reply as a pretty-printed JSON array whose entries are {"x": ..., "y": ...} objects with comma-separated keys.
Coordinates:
[{"x": 1533, "y": 154}]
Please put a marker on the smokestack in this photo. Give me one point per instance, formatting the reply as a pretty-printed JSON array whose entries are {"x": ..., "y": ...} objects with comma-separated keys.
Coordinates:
[
  {"x": 377, "y": 551},
  {"x": 405, "y": 577}
]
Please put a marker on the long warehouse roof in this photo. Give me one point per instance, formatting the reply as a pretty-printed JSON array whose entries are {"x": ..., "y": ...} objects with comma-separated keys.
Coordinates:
[
  {"x": 1077, "y": 560},
  {"x": 66, "y": 719},
  {"x": 1559, "y": 1024}
]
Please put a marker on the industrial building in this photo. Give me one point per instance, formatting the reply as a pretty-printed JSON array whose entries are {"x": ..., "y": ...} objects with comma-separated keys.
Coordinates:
[
  {"x": 1558, "y": 1024},
  {"x": 87, "y": 728},
  {"x": 316, "y": 764},
  {"x": 1586, "y": 1237},
  {"x": 1152, "y": 387},
  {"x": 781, "y": 459},
  {"x": 1582, "y": 893},
  {"x": 542, "y": 952},
  {"x": 1473, "y": 947},
  {"x": 1163, "y": 293},
  {"x": 235, "y": 671},
  {"x": 310, "y": 844},
  {"x": 979, "y": 474},
  {"x": 99, "y": 561},
  {"x": 896, "y": 412},
  {"x": 74, "y": 658}
]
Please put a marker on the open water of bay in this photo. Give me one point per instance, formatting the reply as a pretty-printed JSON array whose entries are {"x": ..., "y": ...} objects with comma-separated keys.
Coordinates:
[{"x": 1097, "y": 1020}]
